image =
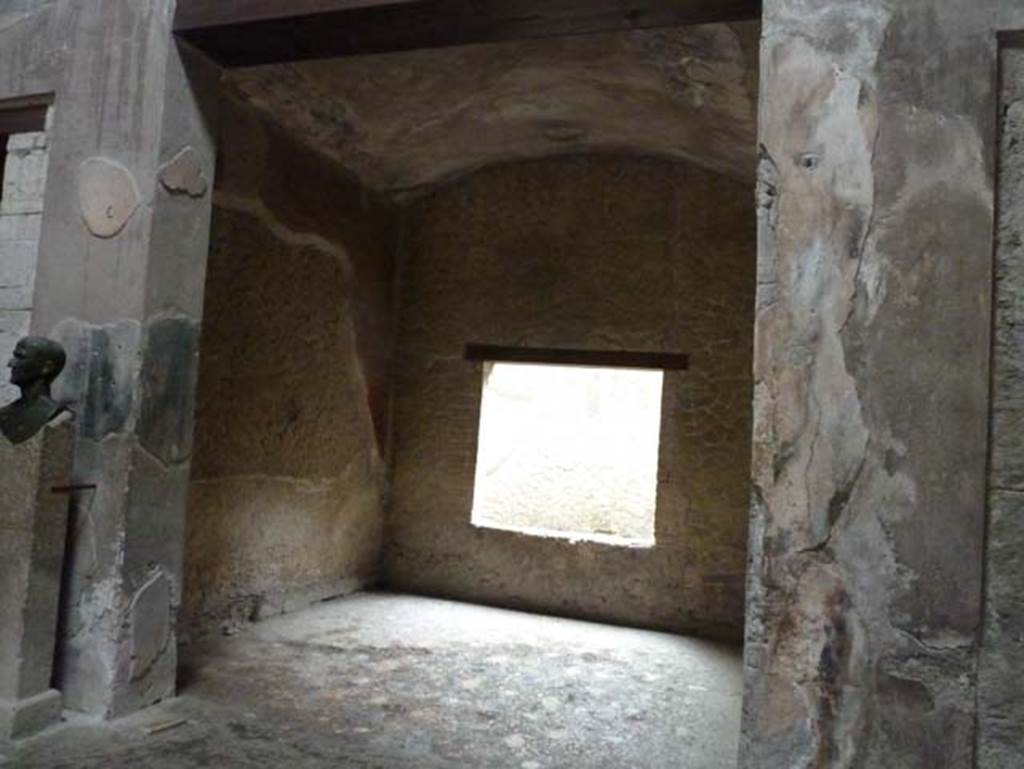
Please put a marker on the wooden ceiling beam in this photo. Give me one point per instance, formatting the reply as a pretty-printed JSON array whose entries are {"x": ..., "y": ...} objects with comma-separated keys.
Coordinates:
[
  {"x": 22, "y": 119},
  {"x": 251, "y": 32}
]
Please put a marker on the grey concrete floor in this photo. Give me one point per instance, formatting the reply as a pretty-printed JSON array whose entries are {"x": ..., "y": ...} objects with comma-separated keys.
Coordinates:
[{"x": 387, "y": 681}]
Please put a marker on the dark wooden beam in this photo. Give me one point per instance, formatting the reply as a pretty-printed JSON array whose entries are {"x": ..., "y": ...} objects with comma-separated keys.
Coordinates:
[
  {"x": 22, "y": 119},
  {"x": 664, "y": 361},
  {"x": 250, "y": 32}
]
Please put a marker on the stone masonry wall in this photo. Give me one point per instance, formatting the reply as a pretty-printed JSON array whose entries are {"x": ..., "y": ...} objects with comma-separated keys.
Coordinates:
[
  {"x": 285, "y": 503},
  {"x": 21, "y": 219},
  {"x": 591, "y": 252}
]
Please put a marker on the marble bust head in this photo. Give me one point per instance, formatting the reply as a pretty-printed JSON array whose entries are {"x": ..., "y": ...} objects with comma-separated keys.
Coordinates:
[{"x": 36, "y": 362}]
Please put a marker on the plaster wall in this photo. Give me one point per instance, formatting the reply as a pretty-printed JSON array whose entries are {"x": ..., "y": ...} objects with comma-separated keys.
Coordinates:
[
  {"x": 872, "y": 350},
  {"x": 588, "y": 252},
  {"x": 286, "y": 493}
]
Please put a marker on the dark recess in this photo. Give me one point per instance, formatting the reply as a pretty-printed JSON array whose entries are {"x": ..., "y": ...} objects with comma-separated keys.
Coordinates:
[
  {"x": 239, "y": 33},
  {"x": 22, "y": 120}
]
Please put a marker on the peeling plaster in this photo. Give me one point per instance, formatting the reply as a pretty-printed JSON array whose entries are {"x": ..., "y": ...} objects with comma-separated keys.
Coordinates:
[{"x": 184, "y": 174}]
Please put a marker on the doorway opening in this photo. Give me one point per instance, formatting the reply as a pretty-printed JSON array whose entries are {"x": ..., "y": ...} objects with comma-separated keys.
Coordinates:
[{"x": 374, "y": 216}]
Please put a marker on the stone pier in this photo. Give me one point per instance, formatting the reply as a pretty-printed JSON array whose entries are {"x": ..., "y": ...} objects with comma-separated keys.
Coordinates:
[{"x": 119, "y": 278}]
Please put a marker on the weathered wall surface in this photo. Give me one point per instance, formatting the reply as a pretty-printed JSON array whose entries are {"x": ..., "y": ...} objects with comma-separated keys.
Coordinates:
[
  {"x": 119, "y": 280},
  {"x": 21, "y": 219},
  {"x": 1001, "y": 689},
  {"x": 285, "y": 504},
  {"x": 871, "y": 388},
  {"x": 591, "y": 252}
]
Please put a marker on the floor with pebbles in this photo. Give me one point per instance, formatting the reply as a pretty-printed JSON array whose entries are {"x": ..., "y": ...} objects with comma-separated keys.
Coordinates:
[{"x": 383, "y": 681}]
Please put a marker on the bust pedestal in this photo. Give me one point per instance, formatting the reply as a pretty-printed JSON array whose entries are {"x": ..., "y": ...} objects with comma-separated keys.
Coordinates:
[{"x": 33, "y": 526}]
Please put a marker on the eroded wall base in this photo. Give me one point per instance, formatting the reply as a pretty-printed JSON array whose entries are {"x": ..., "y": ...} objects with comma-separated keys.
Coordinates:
[{"x": 33, "y": 525}]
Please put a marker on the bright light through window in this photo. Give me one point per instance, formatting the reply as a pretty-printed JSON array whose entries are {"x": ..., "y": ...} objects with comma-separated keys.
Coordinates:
[{"x": 568, "y": 449}]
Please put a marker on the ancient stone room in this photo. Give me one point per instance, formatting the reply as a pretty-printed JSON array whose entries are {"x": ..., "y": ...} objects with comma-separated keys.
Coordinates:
[{"x": 512, "y": 384}]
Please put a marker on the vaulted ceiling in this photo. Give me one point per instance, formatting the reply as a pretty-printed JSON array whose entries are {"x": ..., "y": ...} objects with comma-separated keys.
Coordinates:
[{"x": 404, "y": 120}]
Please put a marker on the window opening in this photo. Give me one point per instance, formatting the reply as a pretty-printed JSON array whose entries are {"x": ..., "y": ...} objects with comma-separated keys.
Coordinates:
[{"x": 569, "y": 450}]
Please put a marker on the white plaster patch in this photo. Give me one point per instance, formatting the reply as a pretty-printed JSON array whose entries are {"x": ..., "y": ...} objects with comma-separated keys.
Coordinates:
[{"x": 108, "y": 196}]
